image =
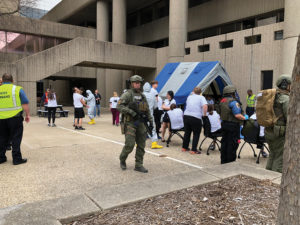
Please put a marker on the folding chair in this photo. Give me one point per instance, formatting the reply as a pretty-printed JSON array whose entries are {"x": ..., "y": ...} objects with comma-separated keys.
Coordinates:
[
  {"x": 174, "y": 132},
  {"x": 251, "y": 136},
  {"x": 209, "y": 135}
]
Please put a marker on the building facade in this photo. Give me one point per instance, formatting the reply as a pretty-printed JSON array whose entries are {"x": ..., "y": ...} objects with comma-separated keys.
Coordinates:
[{"x": 99, "y": 44}]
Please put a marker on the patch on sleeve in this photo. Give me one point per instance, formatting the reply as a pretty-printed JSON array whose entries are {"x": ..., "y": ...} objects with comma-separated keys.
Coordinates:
[{"x": 237, "y": 105}]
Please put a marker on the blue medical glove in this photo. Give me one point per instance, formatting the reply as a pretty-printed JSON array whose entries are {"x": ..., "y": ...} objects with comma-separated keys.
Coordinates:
[{"x": 246, "y": 117}]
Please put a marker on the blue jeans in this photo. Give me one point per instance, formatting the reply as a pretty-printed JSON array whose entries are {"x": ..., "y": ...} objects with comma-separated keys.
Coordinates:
[{"x": 97, "y": 110}]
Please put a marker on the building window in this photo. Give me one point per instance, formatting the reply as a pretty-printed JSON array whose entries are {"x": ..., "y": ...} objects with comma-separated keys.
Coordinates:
[
  {"x": 147, "y": 15},
  {"x": 247, "y": 24},
  {"x": 203, "y": 48},
  {"x": 266, "y": 79},
  {"x": 253, "y": 39},
  {"x": 226, "y": 44},
  {"x": 188, "y": 51},
  {"x": 278, "y": 35}
]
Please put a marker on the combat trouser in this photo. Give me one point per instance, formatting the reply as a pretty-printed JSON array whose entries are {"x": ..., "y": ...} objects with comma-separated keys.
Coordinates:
[
  {"x": 134, "y": 133},
  {"x": 229, "y": 142},
  {"x": 276, "y": 146}
]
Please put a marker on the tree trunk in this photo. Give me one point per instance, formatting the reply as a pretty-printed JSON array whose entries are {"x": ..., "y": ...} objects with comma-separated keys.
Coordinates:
[{"x": 289, "y": 206}]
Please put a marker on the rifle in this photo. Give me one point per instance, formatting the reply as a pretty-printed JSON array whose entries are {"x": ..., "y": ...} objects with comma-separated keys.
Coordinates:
[{"x": 142, "y": 117}]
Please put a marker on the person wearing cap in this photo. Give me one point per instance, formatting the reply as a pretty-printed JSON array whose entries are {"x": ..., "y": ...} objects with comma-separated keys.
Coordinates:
[
  {"x": 132, "y": 104},
  {"x": 275, "y": 136},
  {"x": 13, "y": 101},
  {"x": 232, "y": 117}
]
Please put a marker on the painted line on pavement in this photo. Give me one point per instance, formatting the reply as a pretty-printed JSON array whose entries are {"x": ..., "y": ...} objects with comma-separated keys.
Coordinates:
[{"x": 122, "y": 144}]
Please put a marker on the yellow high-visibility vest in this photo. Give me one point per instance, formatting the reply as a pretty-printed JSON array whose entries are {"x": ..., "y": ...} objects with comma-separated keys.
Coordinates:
[
  {"x": 10, "y": 102},
  {"x": 251, "y": 100}
]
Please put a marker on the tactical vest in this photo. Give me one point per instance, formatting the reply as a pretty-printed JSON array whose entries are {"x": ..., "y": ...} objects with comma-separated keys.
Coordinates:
[
  {"x": 226, "y": 112},
  {"x": 251, "y": 101},
  {"x": 10, "y": 102}
]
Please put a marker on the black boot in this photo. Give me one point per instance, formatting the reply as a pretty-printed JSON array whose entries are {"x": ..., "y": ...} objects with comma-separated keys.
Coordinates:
[
  {"x": 123, "y": 165},
  {"x": 21, "y": 161},
  {"x": 141, "y": 169}
]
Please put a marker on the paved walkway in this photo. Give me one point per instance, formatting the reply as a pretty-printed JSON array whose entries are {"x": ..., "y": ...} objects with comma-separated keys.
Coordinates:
[{"x": 69, "y": 166}]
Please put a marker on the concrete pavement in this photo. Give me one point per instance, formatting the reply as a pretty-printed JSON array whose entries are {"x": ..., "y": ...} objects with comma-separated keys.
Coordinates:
[{"x": 66, "y": 166}]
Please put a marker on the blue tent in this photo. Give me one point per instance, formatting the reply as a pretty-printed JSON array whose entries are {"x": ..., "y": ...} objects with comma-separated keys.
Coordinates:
[{"x": 183, "y": 77}]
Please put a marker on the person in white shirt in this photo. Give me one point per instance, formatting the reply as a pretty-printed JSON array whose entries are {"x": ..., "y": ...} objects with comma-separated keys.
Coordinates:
[
  {"x": 261, "y": 138},
  {"x": 214, "y": 119},
  {"x": 215, "y": 123},
  {"x": 113, "y": 102},
  {"x": 78, "y": 101},
  {"x": 52, "y": 105},
  {"x": 166, "y": 107},
  {"x": 210, "y": 100},
  {"x": 196, "y": 107},
  {"x": 176, "y": 117}
]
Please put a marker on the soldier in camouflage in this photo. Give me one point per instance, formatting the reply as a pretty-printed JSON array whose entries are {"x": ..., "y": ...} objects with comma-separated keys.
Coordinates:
[
  {"x": 275, "y": 136},
  {"x": 134, "y": 128}
]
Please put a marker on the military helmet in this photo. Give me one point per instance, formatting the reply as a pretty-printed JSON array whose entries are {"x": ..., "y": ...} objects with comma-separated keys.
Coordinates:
[
  {"x": 283, "y": 81},
  {"x": 229, "y": 89},
  {"x": 136, "y": 78}
]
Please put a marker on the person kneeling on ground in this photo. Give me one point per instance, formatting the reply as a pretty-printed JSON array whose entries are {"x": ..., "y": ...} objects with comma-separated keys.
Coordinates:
[{"x": 91, "y": 102}]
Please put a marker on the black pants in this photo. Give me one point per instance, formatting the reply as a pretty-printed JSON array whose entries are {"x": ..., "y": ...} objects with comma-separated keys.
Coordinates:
[
  {"x": 157, "y": 116},
  {"x": 250, "y": 111},
  {"x": 51, "y": 114},
  {"x": 191, "y": 124},
  {"x": 11, "y": 130},
  {"x": 229, "y": 142}
]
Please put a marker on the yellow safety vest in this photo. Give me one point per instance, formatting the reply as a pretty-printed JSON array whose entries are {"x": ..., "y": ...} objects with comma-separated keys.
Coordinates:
[
  {"x": 251, "y": 100},
  {"x": 10, "y": 102}
]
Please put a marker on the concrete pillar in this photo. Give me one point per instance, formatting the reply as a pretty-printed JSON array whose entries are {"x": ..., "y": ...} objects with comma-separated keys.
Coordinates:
[
  {"x": 102, "y": 20},
  {"x": 291, "y": 34},
  {"x": 177, "y": 29},
  {"x": 117, "y": 78},
  {"x": 102, "y": 35},
  {"x": 119, "y": 21}
]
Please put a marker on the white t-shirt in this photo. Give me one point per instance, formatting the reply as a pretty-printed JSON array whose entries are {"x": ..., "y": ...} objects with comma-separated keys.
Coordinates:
[
  {"x": 194, "y": 106},
  {"x": 215, "y": 122},
  {"x": 210, "y": 102},
  {"x": 53, "y": 102},
  {"x": 114, "y": 102},
  {"x": 176, "y": 119},
  {"x": 261, "y": 128},
  {"x": 169, "y": 103},
  {"x": 76, "y": 100},
  {"x": 159, "y": 103},
  {"x": 154, "y": 92}
]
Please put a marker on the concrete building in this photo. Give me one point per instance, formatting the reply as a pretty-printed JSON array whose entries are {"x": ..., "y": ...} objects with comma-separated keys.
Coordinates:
[{"x": 99, "y": 44}]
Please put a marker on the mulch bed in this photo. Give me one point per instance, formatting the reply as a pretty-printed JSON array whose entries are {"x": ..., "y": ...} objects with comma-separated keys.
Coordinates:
[{"x": 236, "y": 200}]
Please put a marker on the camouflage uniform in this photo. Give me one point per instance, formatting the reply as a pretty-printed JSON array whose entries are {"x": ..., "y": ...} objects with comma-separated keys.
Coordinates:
[
  {"x": 135, "y": 130},
  {"x": 275, "y": 136}
]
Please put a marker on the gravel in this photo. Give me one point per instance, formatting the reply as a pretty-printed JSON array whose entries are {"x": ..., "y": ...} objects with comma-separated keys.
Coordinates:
[{"x": 237, "y": 200}]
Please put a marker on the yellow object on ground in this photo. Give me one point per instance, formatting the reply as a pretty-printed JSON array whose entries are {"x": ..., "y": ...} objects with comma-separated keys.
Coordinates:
[
  {"x": 92, "y": 122},
  {"x": 155, "y": 145}
]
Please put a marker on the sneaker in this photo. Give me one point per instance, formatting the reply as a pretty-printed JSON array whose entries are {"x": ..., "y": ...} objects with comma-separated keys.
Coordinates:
[
  {"x": 264, "y": 154},
  {"x": 194, "y": 152},
  {"x": 53, "y": 125},
  {"x": 184, "y": 150},
  {"x": 49, "y": 125},
  {"x": 123, "y": 165},
  {"x": 141, "y": 169},
  {"x": 76, "y": 128},
  {"x": 80, "y": 128}
]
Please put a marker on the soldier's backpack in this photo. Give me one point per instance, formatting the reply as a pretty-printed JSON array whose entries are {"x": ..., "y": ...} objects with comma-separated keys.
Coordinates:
[{"x": 265, "y": 108}]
